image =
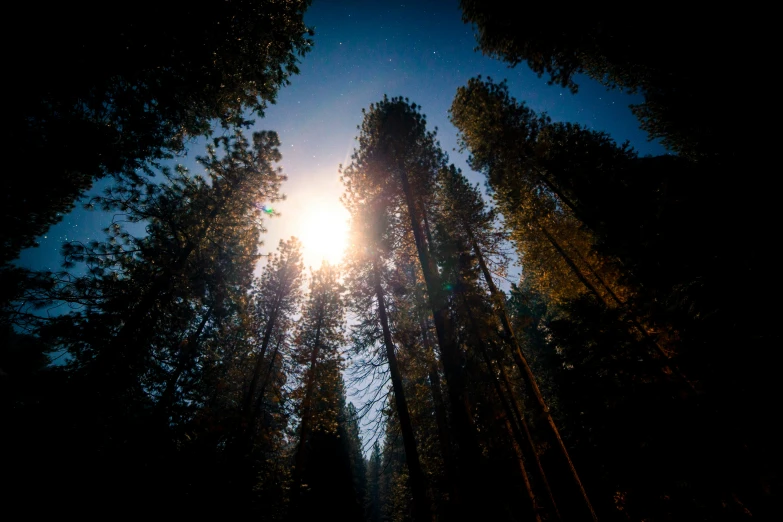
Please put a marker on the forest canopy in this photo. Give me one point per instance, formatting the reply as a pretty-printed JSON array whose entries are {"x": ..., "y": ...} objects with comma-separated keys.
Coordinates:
[{"x": 562, "y": 329}]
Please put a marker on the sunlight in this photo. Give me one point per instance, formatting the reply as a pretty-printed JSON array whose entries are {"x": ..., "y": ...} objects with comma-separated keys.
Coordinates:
[{"x": 323, "y": 232}]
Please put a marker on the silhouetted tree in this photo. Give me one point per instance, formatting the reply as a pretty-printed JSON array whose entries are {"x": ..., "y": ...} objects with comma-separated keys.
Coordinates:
[
  {"x": 318, "y": 340},
  {"x": 369, "y": 273},
  {"x": 373, "y": 507},
  {"x": 401, "y": 159},
  {"x": 609, "y": 241},
  {"x": 675, "y": 74},
  {"x": 152, "y": 314},
  {"x": 132, "y": 88},
  {"x": 276, "y": 298}
]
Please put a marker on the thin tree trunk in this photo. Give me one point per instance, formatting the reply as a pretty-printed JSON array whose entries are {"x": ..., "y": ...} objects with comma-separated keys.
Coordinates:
[
  {"x": 444, "y": 438},
  {"x": 270, "y": 326},
  {"x": 570, "y": 262},
  {"x": 262, "y": 392},
  {"x": 251, "y": 392},
  {"x": 522, "y": 422},
  {"x": 516, "y": 435},
  {"x": 452, "y": 509},
  {"x": 248, "y": 414},
  {"x": 600, "y": 279},
  {"x": 524, "y": 367},
  {"x": 304, "y": 429},
  {"x": 421, "y": 504},
  {"x": 513, "y": 429},
  {"x": 451, "y": 356},
  {"x": 532, "y": 507},
  {"x": 551, "y": 186}
]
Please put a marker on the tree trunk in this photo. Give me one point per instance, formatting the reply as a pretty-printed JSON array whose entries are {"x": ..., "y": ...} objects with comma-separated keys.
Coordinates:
[
  {"x": 600, "y": 279},
  {"x": 524, "y": 367},
  {"x": 248, "y": 413},
  {"x": 469, "y": 457},
  {"x": 265, "y": 382},
  {"x": 570, "y": 262},
  {"x": 516, "y": 435},
  {"x": 304, "y": 428},
  {"x": 519, "y": 418},
  {"x": 517, "y": 438},
  {"x": 421, "y": 504},
  {"x": 251, "y": 392},
  {"x": 444, "y": 438}
]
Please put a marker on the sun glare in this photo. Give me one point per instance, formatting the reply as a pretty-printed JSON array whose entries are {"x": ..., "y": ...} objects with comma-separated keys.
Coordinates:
[{"x": 324, "y": 231}]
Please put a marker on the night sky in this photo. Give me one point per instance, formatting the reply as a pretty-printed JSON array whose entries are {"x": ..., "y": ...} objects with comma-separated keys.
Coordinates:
[{"x": 362, "y": 51}]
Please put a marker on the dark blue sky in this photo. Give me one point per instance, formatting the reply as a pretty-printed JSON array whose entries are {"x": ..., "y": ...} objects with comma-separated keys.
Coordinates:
[{"x": 364, "y": 50}]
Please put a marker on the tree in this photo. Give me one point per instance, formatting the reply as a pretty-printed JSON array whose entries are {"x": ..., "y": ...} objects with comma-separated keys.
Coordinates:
[
  {"x": 149, "y": 310},
  {"x": 565, "y": 193},
  {"x": 401, "y": 160},
  {"x": 675, "y": 75},
  {"x": 606, "y": 235},
  {"x": 319, "y": 336},
  {"x": 181, "y": 245},
  {"x": 325, "y": 457},
  {"x": 373, "y": 502},
  {"x": 276, "y": 298},
  {"x": 398, "y": 154},
  {"x": 139, "y": 86},
  {"x": 471, "y": 230},
  {"x": 350, "y": 433},
  {"x": 368, "y": 265}
]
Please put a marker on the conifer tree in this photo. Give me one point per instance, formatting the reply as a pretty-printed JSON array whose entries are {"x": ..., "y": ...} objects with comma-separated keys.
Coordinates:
[
  {"x": 368, "y": 263},
  {"x": 609, "y": 241},
  {"x": 182, "y": 250},
  {"x": 472, "y": 226},
  {"x": 150, "y": 309},
  {"x": 139, "y": 86},
  {"x": 373, "y": 507},
  {"x": 675, "y": 76},
  {"x": 276, "y": 298},
  {"x": 351, "y": 434},
  {"x": 327, "y": 479},
  {"x": 400, "y": 159},
  {"x": 319, "y": 337}
]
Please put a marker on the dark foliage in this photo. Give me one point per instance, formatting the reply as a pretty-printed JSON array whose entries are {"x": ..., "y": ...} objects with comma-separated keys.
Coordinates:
[
  {"x": 106, "y": 91},
  {"x": 676, "y": 62},
  {"x": 688, "y": 250},
  {"x": 641, "y": 329}
]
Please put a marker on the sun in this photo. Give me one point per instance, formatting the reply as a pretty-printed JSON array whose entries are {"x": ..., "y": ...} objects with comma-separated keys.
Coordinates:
[{"x": 323, "y": 232}]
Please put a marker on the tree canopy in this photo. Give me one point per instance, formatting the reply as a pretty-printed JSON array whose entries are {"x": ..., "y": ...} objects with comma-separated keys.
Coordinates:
[
  {"x": 177, "y": 367},
  {"x": 673, "y": 61},
  {"x": 139, "y": 87}
]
